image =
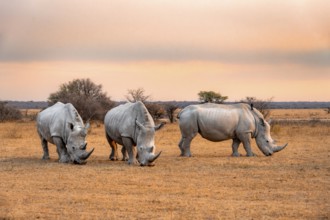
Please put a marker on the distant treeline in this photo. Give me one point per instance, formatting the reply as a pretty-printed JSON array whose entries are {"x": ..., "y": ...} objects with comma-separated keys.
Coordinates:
[
  {"x": 27, "y": 105},
  {"x": 272, "y": 105},
  {"x": 182, "y": 104}
]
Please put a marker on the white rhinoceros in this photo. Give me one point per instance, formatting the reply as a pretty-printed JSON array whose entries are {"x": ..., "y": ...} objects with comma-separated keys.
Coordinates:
[
  {"x": 131, "y": 125},
  {"x": 219, "y": 122},
  {"x": 61, "y": 125}
]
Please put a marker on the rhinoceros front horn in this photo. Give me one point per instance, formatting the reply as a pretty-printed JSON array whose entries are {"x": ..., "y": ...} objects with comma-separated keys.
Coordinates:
[
  {"x": 279, "y": 148},
  {"x": 155, "y": 157},
  {"x": 86, "y": 155}
]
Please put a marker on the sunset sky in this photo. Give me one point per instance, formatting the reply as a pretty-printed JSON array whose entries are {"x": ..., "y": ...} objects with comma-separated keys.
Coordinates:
[{"x": 172, "y": 49}]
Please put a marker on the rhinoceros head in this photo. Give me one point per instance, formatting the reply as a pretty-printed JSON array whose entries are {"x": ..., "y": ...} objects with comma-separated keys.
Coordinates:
[
  {"x": 146, "y": 144},
  {"x": 76, "y": 144},
  {"x": 264, "y": 141}
]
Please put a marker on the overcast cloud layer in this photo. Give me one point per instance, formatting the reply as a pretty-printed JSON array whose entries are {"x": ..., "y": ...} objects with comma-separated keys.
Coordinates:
[{"x": 222, "y": 31}]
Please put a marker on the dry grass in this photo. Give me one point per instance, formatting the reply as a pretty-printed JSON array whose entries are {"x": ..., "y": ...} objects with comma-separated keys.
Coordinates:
[
  {"x": 300, "y": 114},
  {"x": 292, "y": 184}
]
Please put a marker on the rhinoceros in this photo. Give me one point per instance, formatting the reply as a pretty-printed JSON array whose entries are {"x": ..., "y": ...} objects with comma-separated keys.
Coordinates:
[
  {"x": 131, "y": 125},
  {"x": 219, "y": 122},
  {"x": 61, "y": 125}
]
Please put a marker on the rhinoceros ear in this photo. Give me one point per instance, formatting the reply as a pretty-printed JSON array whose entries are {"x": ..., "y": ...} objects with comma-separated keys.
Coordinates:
[
  {"x": 141, "y": 126},
  {"x": 262, "y": 122},
  {"x": 270, "y": 121},
  {"x": 159, "y": 126},
  {"x": 85, "y": 130},
  {"x": 87, "y": 126}
]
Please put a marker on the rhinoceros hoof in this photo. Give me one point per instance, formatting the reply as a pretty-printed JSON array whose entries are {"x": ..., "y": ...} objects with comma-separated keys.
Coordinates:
[
  {"x": 250, "y": 155},
  {"x": 185, "y": 155},
  {"x": 45, "y": 158},
  {"x": 132, "y": 162},
  {"x": 236, "y": 154}
]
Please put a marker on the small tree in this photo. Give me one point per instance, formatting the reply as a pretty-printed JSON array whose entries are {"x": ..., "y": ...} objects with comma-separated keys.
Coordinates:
[
  {"x": 262, "y": 105},
  {"x": 8, "y": 113},
  {"x": 86, "y": 96},
  {"x": 170, "y": 108},
  {"x": 211, "y": 96},
  {"x": 134, "y": 95}
]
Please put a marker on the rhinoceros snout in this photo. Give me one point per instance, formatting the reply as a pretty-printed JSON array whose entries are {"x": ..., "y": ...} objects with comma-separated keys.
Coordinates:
[
  {"x": 79, "y": 162},
  {"x": 269, "y": 154}
]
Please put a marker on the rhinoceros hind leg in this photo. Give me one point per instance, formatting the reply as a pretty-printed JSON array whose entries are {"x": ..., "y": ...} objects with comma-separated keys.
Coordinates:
[
  {"x": 114, "y": 148},
  {"x": 44, "y": 145},
  {"x": 61, "y": 150},
  {"x": 185, "y": 146},
  {"x": 235, "y": 145},
  {"x": 180, "y": 147}
]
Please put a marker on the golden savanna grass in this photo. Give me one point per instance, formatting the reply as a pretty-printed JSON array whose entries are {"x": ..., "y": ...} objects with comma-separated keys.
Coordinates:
[{"x": 292, "y": 184}]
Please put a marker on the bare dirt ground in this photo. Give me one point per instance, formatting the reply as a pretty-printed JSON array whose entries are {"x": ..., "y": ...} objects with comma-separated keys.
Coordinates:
[{"x": 292, "y": 184}]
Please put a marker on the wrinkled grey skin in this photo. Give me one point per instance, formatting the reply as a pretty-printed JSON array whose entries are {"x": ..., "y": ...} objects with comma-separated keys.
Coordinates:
[
  {"x": 131, "y": 125},
  {"x": 218, "y": 122},
  {"x": 61, "y": 125}
]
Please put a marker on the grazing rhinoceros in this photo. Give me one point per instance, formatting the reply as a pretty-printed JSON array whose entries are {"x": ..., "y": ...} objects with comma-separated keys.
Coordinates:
[
  {"x": 61, "y": 125},
  {"x": 131, "y": 125},
  {"x": 218, "y": 122}
]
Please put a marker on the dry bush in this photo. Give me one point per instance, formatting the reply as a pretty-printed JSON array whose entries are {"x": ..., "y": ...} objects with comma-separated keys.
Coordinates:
[
  {"x": 170, "y": 108},
  {"x": 262, "y": 105},
  {"x": 30, "y": 114},
  {"x": 8, "y": 113},
  {"x": 156, "y": 110}
]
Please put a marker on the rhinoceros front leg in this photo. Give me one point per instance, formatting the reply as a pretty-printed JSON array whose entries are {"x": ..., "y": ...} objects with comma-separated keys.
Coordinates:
[
  {"x": 124, "y": 153},
  {"x": 245, "y": 138},
  {"x": 235, "y": 145},
  {"x": 61, "y": 150},
  {"x": 128, "y": 144},
  {"x": 44, "y": 145}
]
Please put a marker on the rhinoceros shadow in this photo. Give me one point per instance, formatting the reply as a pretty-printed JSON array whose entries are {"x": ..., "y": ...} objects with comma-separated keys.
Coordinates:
[{"x": 9, "y": 163}]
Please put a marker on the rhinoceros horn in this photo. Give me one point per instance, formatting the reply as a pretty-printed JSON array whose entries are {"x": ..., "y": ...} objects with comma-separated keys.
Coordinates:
[
  {"x": 279, "y": 148},
  {"x": 86, "y": 155},
  {"x": 154, "y": 157}
]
